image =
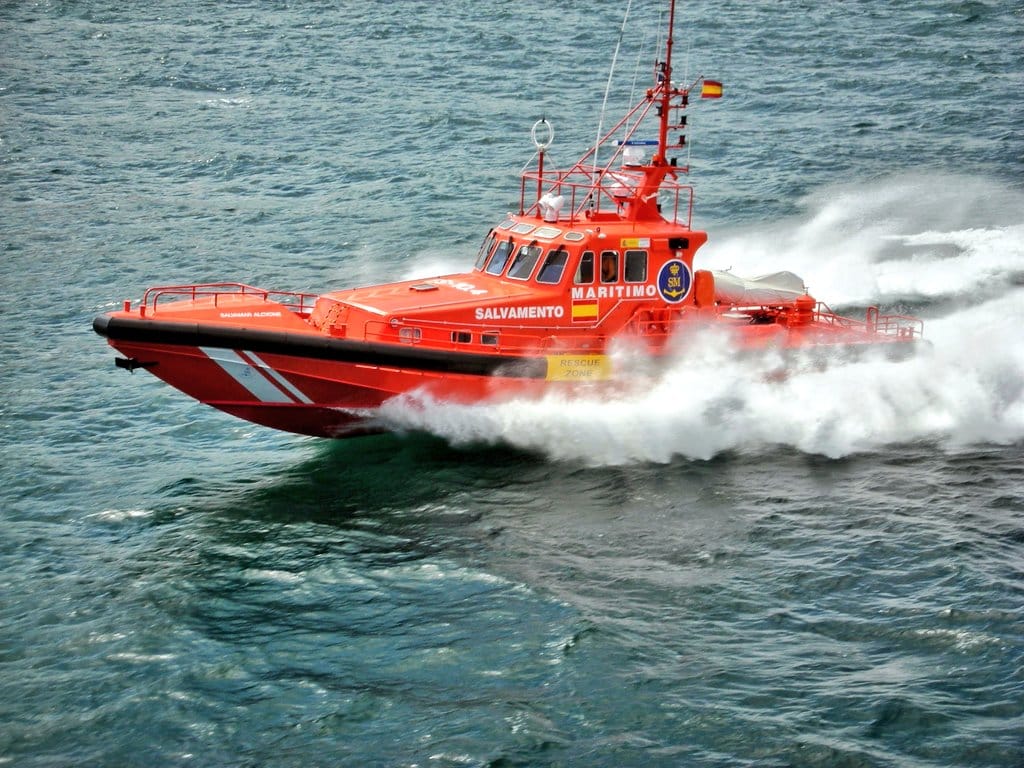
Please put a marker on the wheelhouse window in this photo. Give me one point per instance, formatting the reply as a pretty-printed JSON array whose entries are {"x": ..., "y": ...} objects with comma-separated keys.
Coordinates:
[
  {"x": 500, "y": 257},
  {"x": 585, "y": 271},
  {"x": 485, "y": 250},
  {"x": 609, "y": 266},
  {"x": 553, "y": 267},
  {"x": 636, "y": 266},
  {"x": 524, "y": 262}
]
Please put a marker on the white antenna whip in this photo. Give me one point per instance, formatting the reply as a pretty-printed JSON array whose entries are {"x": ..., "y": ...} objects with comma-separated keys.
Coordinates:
[{"x": 608, "y": 87}]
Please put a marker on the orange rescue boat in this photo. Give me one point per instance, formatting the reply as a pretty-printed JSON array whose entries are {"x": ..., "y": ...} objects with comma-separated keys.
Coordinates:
[{"x": 599, "y": 251}]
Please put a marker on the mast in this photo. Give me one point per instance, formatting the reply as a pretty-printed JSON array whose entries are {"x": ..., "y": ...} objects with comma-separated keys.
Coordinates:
[
  {"x": 638, "y": 189},
  {"x": 666, "y": 90}
]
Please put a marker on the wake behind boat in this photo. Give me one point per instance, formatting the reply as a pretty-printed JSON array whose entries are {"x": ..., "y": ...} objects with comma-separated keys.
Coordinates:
[{"x": 597, "y": 252}]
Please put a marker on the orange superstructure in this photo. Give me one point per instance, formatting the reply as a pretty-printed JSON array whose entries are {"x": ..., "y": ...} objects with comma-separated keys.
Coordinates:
[{"x": 597, "y": 251}]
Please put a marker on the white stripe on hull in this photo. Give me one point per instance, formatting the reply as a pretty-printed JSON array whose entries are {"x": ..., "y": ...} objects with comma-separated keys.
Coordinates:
[
  {"x": 281, "y": 381},
  {"x": 258, "y": 378}
]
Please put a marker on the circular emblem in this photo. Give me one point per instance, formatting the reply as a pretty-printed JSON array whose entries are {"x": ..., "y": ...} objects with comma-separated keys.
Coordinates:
[{"x": 674, "y": 281}]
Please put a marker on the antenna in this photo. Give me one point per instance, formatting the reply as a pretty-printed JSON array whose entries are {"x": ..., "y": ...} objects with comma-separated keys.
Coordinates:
[{"x": 608, "y": 87}]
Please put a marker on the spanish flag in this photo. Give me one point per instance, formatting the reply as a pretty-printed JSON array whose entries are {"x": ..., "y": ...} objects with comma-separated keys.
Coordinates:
[
  {"x": 584, "y": 311},
  {"x": 711, "y": 89}
]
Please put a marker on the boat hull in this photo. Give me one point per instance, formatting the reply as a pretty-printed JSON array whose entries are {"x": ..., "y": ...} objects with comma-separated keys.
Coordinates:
[
  {"x": 310, "y": 384},
  {"x": 303, "y": 395},
  {"x": 304, "y": 383}
]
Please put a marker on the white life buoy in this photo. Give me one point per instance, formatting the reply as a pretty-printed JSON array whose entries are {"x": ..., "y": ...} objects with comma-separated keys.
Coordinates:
[{"x": 542, "y": 145}]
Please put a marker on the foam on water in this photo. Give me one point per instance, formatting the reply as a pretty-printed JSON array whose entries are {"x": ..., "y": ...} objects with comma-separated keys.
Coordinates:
[
  {"x": 895, "y": 239},
  {"x": 967, "y": 387}
]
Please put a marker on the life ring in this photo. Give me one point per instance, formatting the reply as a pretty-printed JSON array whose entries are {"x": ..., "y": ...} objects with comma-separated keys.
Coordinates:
[{"x": 542, "y": 145}]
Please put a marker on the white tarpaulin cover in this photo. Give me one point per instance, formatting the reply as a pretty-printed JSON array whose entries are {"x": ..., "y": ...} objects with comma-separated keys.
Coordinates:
[{"x": 755, "y": 291}]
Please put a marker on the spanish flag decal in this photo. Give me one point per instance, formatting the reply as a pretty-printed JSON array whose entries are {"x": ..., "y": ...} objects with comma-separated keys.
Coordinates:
[
  {"x": 711, "y": 89},
  {"x": 584, "y": 311}
]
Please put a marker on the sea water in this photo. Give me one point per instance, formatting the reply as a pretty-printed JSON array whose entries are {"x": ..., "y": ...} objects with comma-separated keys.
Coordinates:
[{"x": 721, "y": 568}]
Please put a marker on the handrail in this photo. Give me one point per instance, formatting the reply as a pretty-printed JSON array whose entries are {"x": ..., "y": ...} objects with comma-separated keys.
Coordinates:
[
  {"x": 300, "y": 303},
  {"x": 583, "y": 184},
  {"x": 874, "y": 322}
]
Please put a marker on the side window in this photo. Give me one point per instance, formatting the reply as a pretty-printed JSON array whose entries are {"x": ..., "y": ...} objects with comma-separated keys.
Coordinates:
[
  {"x": 485, "y": 249},
  {"x": 524, "y": 262},
  {"x": 609, "y": 267},
  {"x": 636, "y": 266},
  {"x": 553, "y": 267},
  {"x": 500, "y": 258},
  {"x": 585, "y": 271}
]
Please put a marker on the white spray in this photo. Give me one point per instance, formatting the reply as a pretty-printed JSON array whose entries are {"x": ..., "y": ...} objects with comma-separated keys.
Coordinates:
[{"x": 898, "y": 241}]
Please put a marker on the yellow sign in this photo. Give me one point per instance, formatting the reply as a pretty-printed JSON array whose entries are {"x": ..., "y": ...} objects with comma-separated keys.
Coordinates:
[
  {"x": 636, "y": 242},
  {"x": 578, "y": 367}
]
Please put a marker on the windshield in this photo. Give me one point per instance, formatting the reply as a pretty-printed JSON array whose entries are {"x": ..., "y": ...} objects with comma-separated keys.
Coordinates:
[
  {"x": 500, "y": 257},
  {"x": 524, "y": 262}
]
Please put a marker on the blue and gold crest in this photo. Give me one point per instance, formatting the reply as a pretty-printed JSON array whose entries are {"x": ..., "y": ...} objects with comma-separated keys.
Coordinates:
[{"x": 674, "y": 280}]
